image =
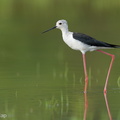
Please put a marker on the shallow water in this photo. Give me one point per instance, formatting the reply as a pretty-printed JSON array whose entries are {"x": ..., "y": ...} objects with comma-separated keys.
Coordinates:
[
  {"x": 28, "y": 95},
  {"x": 41, "y": 77}
]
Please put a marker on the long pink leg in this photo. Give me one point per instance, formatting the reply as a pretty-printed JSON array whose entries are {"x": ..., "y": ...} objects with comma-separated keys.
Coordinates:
[
  {"x": 85, "y": 72},
  {"x": 108, "y": 74}
]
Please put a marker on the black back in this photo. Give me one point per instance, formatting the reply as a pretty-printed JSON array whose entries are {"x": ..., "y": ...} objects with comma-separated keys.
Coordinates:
[{"x": 91, "y": 41}]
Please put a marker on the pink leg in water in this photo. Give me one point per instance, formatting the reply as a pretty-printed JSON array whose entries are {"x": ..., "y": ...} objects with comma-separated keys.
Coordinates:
[
  {"x": 85, "y": 72},
  {"x": 108, "y": 74}
]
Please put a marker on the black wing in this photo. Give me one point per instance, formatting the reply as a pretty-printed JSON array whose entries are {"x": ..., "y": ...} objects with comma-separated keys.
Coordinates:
[{"x": 91, "y": 41}]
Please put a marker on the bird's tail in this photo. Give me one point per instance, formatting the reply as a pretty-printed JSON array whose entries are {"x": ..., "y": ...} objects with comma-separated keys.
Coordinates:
[
  {"x": 116, "y": 46},
  {"x": 112, "y": 45}
]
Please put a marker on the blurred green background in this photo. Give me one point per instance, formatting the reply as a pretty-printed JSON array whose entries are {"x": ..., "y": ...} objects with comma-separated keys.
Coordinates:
[{"x": 38, "y": 70}]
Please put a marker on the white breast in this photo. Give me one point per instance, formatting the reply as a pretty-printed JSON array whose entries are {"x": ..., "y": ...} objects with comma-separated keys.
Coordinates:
[{"x": 75, "y": 44}]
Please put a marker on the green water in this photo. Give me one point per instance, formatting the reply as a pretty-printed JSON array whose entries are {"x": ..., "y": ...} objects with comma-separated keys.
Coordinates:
[{"x": 41, "y": 77}]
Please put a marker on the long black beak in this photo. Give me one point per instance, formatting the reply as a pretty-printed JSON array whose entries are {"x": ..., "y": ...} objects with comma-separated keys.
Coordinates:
[{"x": 49, "y": 29}]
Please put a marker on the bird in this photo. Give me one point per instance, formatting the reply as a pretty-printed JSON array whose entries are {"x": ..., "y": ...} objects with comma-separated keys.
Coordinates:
[{"x": 84, "y": 43}]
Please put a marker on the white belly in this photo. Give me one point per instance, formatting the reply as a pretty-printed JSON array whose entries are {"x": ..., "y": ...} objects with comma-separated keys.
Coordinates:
[{"x": 76, "y": 44}]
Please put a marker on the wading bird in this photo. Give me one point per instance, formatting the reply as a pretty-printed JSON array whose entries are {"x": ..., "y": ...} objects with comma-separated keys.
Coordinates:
[{"x": 84, "y": 43}]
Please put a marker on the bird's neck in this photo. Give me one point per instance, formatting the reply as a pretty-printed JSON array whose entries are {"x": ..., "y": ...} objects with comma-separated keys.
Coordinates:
[
  {"x": 64, "y": 31},
  {"x": 65, "y": 34}
]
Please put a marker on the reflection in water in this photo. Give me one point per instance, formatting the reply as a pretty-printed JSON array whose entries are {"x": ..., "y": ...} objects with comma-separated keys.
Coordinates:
[
  {"x": 56, "y": 105},
  {"x": 85, "y": 106},
  {"x": 107, "y": 105}
]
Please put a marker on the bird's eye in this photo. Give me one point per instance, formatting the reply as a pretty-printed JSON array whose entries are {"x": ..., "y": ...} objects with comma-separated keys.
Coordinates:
[{"x": 60, "y": 23}]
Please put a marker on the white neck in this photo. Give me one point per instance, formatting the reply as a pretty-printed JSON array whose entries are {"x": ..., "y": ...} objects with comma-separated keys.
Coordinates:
[{"x": 64, "y": 29}]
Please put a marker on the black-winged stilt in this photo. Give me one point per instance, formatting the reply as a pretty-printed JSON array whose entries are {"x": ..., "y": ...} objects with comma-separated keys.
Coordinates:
[{"x": 84, "y": 43}]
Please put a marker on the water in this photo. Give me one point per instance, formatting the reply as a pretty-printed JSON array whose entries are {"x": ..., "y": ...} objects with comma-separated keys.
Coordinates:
[
  {"x": 28, "y": 95},
  {"x": 41, "y": 77}
]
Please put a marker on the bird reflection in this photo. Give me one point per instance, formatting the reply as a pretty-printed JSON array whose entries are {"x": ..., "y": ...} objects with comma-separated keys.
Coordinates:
[
  {"x": 86, "y": 106},
  {"x": 107, "y": 106}
]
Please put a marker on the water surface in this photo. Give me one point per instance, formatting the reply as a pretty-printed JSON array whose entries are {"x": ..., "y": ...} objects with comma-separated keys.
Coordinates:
[{"x": 41, "y": 77}]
